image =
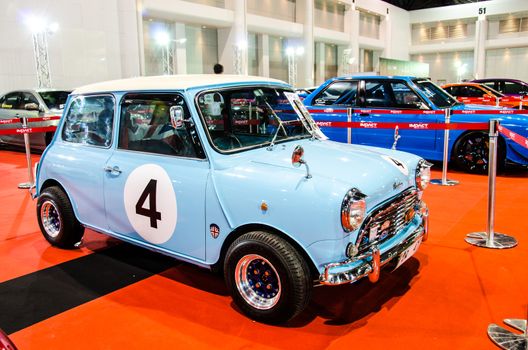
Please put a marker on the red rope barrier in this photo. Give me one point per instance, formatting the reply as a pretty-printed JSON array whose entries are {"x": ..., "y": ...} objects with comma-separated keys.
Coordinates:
[
  {"x": 21, "y": 131},
  {"x": 410, "y": 126},
  {"x": 29, "y": 120}
]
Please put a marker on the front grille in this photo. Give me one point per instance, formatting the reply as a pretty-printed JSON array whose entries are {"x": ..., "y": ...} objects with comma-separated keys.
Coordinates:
[{"x": 387, "y": 220}]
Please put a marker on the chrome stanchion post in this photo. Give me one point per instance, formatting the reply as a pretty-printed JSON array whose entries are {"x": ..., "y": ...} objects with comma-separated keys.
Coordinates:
[
  {"x": 349, "y": 129},
  {"x": 444, "y": 181},
  {"x": 490, "y": 238},
  {"x": 31, "y": 182},
  {"x": 396, "y": 137}
]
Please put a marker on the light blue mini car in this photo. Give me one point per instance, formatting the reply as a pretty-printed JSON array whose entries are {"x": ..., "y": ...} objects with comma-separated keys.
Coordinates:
[{"x": 230, "y": 173}]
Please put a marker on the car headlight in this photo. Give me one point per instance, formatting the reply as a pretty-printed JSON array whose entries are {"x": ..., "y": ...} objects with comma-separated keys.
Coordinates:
[
  {"x": 353, "y": 210},
  {"x": 423, "y": 174}
]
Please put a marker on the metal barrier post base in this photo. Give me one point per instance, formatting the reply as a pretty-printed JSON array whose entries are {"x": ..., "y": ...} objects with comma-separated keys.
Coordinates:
[
  {"x": 444, "y": 183},
  {"x": 499, "y": 240},
  {"x": 506, "y": 339},
  {"x": 25, "y": 185}
]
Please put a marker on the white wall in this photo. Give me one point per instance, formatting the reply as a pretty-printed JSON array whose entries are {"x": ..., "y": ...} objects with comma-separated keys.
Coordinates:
[
  {"x": 95, "y": 41},
  {"x": 510, "y": 62}
]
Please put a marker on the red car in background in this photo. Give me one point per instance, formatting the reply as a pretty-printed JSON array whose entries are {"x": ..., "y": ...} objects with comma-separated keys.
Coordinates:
[{"x": 475, "y": 93}]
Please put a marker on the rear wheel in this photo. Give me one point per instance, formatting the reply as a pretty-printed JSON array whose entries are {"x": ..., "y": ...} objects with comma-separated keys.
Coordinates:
[
  {"x": 56, "y": 219},
  {"x": 471, "y": 153},
  {"x": 268, "y": 279}
]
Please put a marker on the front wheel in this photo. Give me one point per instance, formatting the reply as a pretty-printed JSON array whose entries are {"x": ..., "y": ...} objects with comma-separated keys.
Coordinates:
[
  {"x": 268, "y": 279},
  {"x": 56, "y": 219},
  {"x": 471, "y": 153}
]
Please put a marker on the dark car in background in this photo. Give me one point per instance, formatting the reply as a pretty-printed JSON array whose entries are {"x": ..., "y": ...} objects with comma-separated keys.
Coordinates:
[
  {"x": 32, "y": 104},
  {"x": 510, "y": 87}
]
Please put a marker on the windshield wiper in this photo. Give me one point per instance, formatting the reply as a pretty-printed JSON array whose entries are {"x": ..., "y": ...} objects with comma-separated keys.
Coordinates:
[{"x": 281, "y": 126}]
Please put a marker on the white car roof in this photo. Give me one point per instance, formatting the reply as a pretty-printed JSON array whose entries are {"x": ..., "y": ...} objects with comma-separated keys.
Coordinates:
[{"x": 170, "y": 82}]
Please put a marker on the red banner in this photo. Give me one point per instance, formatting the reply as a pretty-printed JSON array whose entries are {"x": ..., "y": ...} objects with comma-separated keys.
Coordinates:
[
  {"x": 21, "y": 131},
  {"x": 523, "y": 141},
  {"x": 410, "y": 126},
  {"x": 489, "y": 111}
]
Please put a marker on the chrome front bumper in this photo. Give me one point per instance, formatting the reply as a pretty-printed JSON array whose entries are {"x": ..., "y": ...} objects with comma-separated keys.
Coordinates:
[{"x": 370, "y": 263}]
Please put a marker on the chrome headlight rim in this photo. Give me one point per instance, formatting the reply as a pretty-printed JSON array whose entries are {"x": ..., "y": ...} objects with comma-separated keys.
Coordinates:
[
  {"x": 423, "y": 174},
  {"x": 353, "y": 210}
]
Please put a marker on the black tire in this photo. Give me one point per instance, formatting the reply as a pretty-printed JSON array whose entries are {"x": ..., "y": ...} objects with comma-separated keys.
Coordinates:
[
  {"x": 471, "y": 153},
  {"x": 259, "y": 262},
  {"x": 56, "y": 219}
]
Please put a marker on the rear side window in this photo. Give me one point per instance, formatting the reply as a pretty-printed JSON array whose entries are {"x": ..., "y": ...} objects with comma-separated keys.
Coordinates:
[
  {"x": 11, "y": 101},
  {"x": 90, "y": 120},
  {"x": 338, "y": 93},
  {"x": 513, "y": 88}
]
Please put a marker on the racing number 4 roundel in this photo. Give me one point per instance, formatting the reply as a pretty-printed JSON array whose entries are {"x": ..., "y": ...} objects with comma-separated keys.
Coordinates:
[{"x": 150, "y": 203}]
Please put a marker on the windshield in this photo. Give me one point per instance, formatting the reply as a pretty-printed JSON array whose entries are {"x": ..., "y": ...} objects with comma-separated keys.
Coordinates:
[
  {"x": 55, "y": 99},
  {"x": 253, "y": 117},
  {"x": 436, "y": 94}
]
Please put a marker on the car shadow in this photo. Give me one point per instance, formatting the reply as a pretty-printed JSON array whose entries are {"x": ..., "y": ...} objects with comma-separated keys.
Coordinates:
[{"x": 355, "y": 303}]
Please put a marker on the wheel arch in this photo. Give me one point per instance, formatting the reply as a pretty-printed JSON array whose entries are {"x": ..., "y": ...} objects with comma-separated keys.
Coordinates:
[
  {"x": 502, "y": 142},
  {"x": 53, "y": 182},
  {"x": 239, "y": 231}
]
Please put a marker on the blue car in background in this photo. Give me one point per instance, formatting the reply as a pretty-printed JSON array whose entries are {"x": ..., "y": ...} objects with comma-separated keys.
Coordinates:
[
  {"x": 341, "y": 99},
  {"x": 230, "y": 173}
]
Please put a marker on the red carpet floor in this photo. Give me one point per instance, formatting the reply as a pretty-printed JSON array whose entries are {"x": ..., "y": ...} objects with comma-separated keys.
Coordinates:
[{"x": 442, "y": 298}]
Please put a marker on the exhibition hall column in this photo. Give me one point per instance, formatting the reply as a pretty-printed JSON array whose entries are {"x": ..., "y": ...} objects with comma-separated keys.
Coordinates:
[
  {"x": 479, "y": 59},
  {"x": 307, "y": 78},
  {"x": 350, "y": 58},
  {"x": 240, "y": 44}
]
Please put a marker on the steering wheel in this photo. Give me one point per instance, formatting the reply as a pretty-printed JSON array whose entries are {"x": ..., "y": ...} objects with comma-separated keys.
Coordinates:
[{"x": 227, "y": 142}]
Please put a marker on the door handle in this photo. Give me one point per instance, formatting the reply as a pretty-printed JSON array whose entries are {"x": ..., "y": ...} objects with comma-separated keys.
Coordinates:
[{"x": 113, "y": 170}]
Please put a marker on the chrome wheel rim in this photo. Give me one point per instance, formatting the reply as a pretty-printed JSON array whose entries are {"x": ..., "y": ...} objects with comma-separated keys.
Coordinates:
[
  {"x": 474, "y": 153},
  {"x": 51, "y": 221},
  {"x": 258, "y": 282}
]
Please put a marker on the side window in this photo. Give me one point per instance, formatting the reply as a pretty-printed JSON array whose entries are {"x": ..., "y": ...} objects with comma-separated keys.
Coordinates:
[
  {"x": 512, "y": 88},
  {"x": 28, "y": 98},
  {"x": 146, "y": 126},
  {"x": 376, "y": 94},
  {"x": 404, "y": 96},
  {"x": 11, "y": 101},
  {"x": 338, "y": 93},
  {"x": 492, "y": 85},
  {"x": 472, "y": 91},
  {"x": 90, "y": 120}
]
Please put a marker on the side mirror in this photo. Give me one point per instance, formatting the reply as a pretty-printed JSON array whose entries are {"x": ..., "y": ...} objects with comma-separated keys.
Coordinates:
[
  {"x": 297, "y": 156},
  {"x": 31, "y": 107},
  {"x": 297, "y": 160},
  {"x": 177, "y": 117}
]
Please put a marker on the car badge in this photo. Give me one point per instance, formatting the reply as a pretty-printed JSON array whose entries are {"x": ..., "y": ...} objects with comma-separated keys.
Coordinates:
[
  {"x": 385, "y": 225},
  {"x": 397, "y": 184},
  {"x": 215, "y": 231}
]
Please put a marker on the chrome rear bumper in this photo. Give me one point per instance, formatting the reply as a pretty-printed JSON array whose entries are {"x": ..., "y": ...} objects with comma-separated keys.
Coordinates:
[{"x": 370, "y": 263}]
